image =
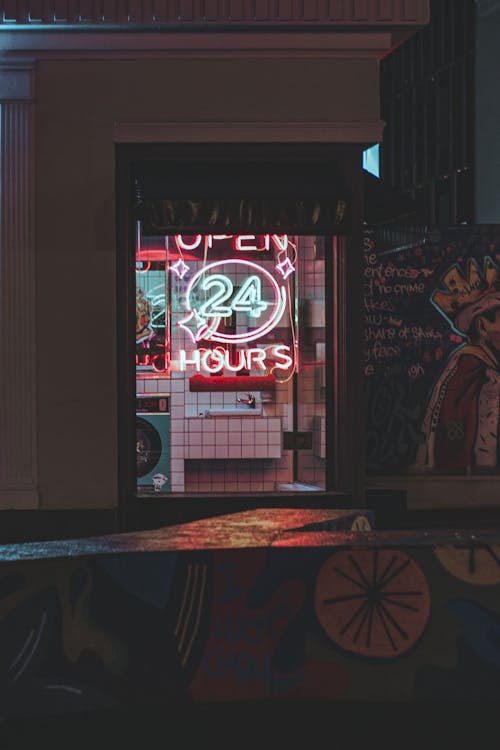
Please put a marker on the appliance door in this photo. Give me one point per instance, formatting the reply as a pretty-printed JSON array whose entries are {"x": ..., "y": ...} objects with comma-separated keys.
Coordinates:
[{"x": 153, "y": 452}]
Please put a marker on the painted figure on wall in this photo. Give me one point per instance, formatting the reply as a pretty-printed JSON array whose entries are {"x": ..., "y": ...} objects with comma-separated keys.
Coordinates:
[{"x": 461, "y": 422}]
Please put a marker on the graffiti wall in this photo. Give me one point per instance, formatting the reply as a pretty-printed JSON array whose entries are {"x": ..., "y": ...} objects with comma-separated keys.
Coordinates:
[
  {"x": 432, "y": 350},
  {"x": 345, "y": 617}
]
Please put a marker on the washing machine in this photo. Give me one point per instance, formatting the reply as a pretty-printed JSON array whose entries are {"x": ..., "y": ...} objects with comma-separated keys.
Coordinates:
[{"x": 153, "y": 443}]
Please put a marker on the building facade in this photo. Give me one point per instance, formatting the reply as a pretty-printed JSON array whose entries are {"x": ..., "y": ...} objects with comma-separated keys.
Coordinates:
[{"x": 117, "y": 121}]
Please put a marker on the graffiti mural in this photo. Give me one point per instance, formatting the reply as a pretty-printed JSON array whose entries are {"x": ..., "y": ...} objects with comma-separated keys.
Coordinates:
[
  {"x": 461, "y": 422},
  {"x": 374, "y": 603},
  {"x": 432, "y": 349},
  {"x": 312, "y": 615},
  {"x": 89, "y": 633}
]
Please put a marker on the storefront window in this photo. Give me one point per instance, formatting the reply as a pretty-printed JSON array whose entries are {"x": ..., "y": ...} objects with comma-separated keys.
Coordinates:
[{"x": 230, "y": 363}]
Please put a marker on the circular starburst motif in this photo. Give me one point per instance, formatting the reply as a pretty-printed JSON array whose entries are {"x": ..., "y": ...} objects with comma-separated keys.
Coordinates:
[
  {"x": 474, "y": 563},
  {"x": 372, "y": 602}
]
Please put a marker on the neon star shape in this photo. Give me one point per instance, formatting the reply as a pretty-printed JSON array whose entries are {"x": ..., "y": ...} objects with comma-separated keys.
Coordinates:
[
  {"x": 286, "y": 267},
  {"x": 180, "y": 268},
  {"x": 203, "y": 330}
]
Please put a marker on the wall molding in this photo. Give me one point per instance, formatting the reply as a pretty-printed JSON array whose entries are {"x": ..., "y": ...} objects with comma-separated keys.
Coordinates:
[
  {"x": 370, "y": 43},
  {"x": 18, "y": 439},
  {"x": 249, "y": 132}
]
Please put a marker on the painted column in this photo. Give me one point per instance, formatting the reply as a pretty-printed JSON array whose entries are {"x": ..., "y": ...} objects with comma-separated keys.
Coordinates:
[{"x": 18, "y": 450}]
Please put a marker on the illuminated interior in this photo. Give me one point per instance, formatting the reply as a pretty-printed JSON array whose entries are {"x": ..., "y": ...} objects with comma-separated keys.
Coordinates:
[{"x": 230, "y": 363}]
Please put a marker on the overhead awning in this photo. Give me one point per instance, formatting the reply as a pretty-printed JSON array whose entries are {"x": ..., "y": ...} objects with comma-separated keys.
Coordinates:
[{"x": 261, "y": 196}]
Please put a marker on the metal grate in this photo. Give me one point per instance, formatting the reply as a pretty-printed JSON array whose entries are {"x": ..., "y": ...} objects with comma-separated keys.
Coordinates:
[{"x": 428, "y": 106}]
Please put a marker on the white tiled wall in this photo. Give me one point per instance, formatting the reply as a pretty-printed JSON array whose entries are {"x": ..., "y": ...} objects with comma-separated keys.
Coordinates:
[{"x": 233, "y": 437}]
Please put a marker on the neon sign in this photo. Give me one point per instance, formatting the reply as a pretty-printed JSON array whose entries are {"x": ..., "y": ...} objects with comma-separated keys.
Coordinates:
[
  {"x": 224, "y": 301},
  {"x": 180, "y": 268},
  {"x": 212, "y": 296},
  {"x": 218, "y": 359},
  {"x": 241, "y": 242},
  {"x": 156, "y": 361},
  {"x": 231, "y": 303}
]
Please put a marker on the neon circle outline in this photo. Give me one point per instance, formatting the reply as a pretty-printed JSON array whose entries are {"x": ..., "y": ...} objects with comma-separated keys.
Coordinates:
[{"x": 272, "y": 322}]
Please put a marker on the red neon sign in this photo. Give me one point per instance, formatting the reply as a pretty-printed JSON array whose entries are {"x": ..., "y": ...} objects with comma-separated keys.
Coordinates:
[
  {"x": 216, "y": 360},
  {"x": 241, "y": 243}
]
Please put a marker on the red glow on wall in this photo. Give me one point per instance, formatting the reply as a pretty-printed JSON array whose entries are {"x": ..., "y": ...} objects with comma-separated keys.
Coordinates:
[{"x": 146, "y": 254}]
